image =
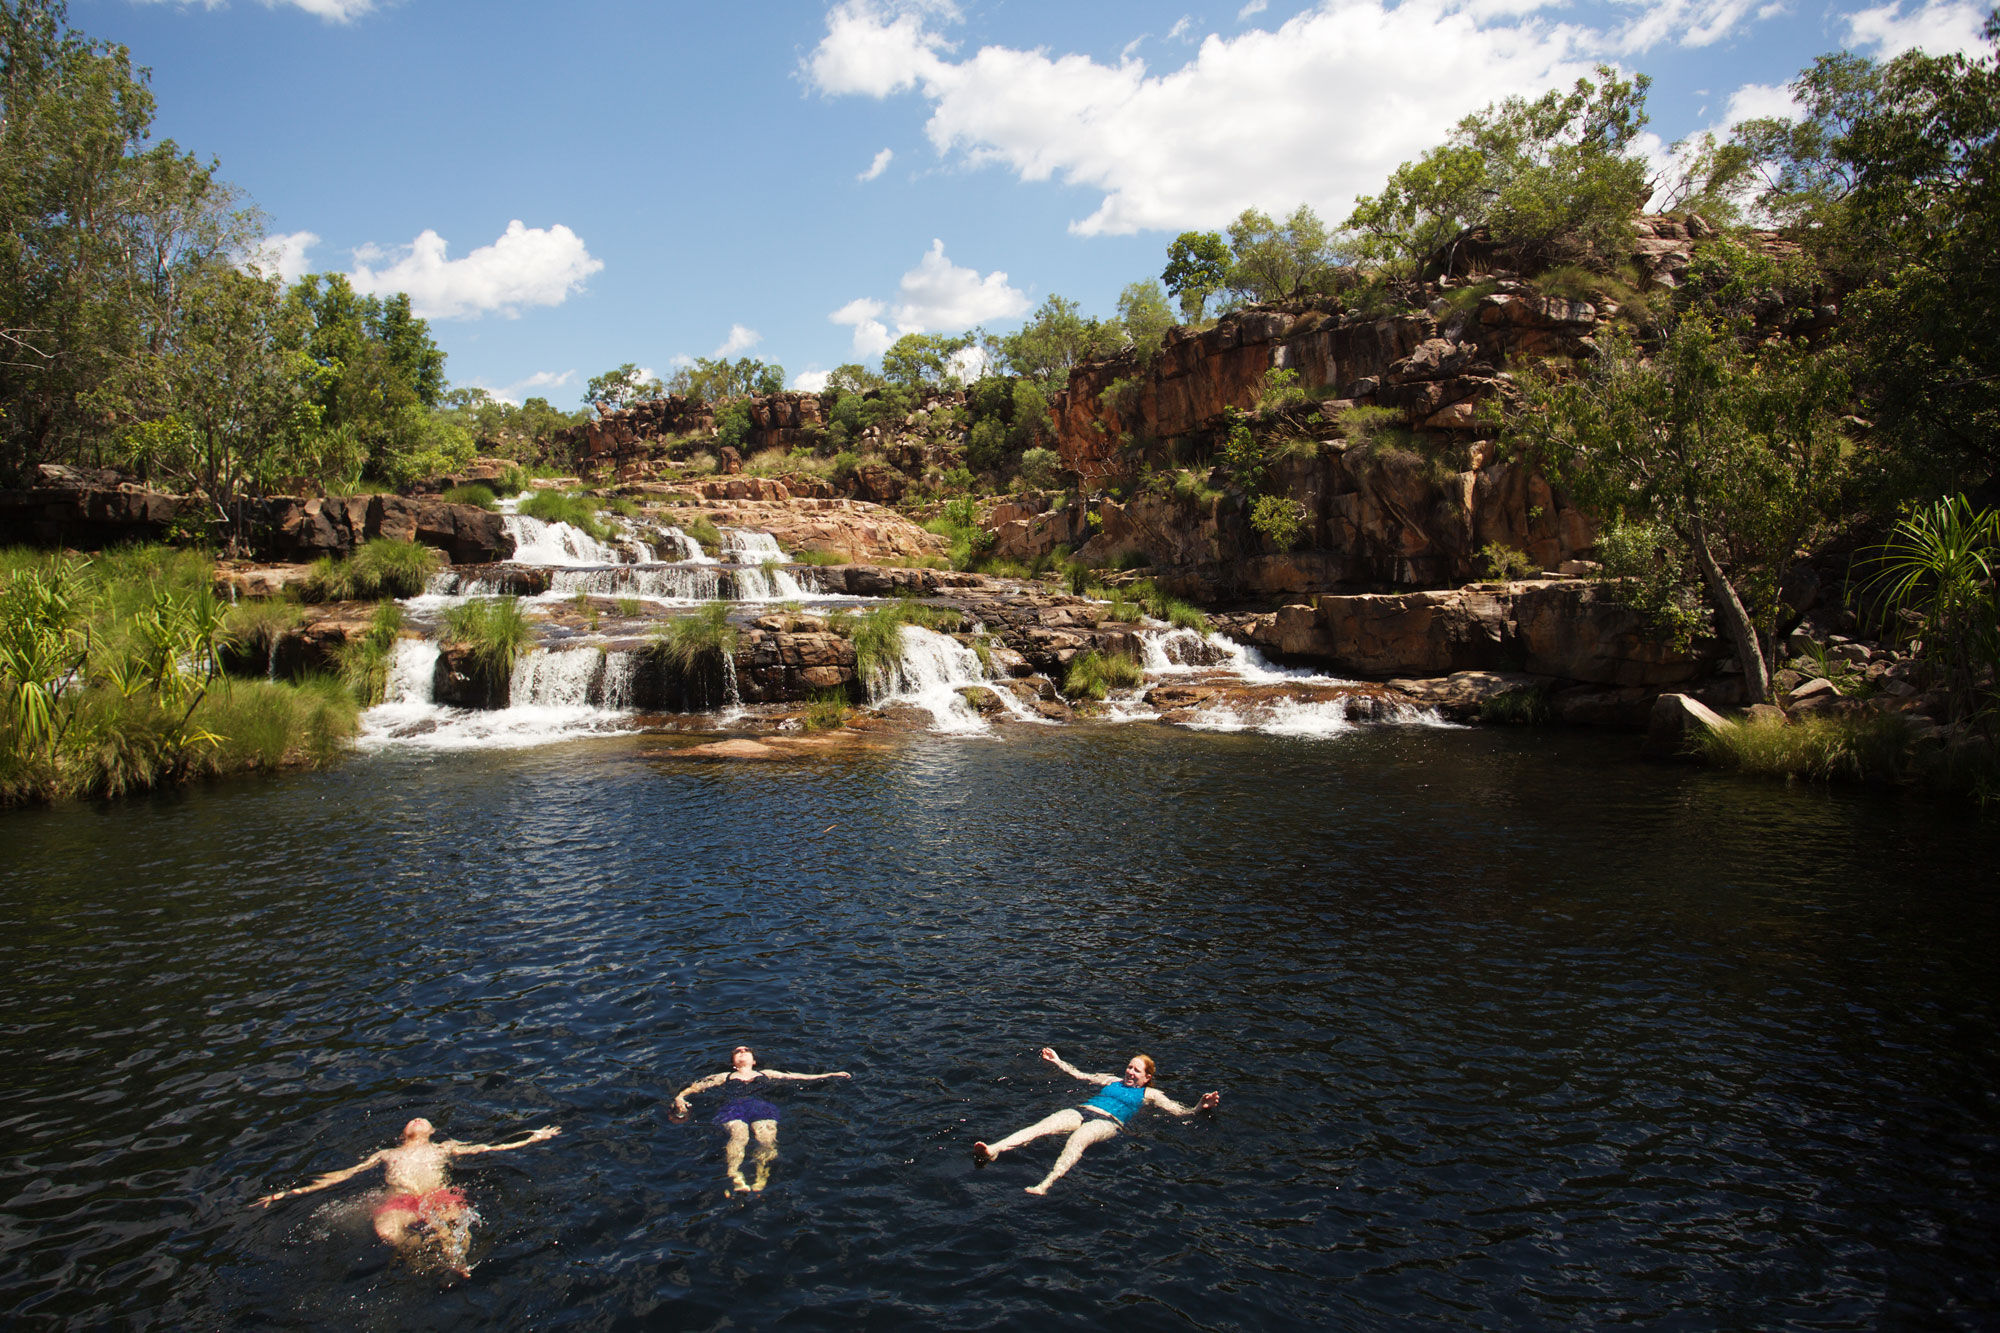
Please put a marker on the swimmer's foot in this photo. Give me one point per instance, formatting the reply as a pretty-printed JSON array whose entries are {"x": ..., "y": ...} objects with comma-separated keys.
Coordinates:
[
  {"x": 983, "y": 1154},
  {"x": 737, "y": 1184},
  {"x": 1037, "y": 1189}
]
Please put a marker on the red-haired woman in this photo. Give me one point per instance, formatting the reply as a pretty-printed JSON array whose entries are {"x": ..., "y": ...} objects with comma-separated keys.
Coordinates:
[{"x": 1096, "y": 1120}]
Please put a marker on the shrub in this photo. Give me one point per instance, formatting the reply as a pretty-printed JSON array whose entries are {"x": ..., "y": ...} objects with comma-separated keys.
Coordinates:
[
  {"x": 1279, "y": 518},
  {"x": 493, "y": 630},
  {"x": 1504, "y": 562},
  {"x": 472, "y": 493},
  {"x": 1041, "y": 469},
  {"x": 1093, "y": 675},
  {"x": 1281, "y": 389},
  {"x": 1241, "y": 458}
]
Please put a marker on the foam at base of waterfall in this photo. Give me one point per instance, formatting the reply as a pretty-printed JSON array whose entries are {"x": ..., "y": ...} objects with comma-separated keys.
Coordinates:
[
  {"x": 1306, "y": 718},
  {"x": 1182, "y": 652},
  {"x": 660, "y": 583},
  {"x": 550, "y": 695}
]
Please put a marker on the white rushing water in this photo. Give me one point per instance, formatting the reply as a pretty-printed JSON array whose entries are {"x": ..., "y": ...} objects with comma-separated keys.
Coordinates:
[
  {"x": 663, "y": 583},
  {"x": 1184, "y": 652},
  {"x": 537, "y": 542},
  {"x": 931, "y": 672},
  {"x": 551, "y": 697}
]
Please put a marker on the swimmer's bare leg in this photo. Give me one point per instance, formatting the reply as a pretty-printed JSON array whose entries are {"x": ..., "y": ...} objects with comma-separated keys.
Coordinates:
[
  {"x": 1062, "y": 1122},
  {"x": 453, "y": 1227},
  {"x": 732, "y": 1155},
  {"x": 392, "y": 1228},
  {"x": 766, "y": 1133},
  {"x": 1095, "y": 1131}
]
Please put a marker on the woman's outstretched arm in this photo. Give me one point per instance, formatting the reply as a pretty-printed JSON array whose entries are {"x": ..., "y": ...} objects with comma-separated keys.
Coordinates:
[
  {"x": 1209, "y": 1100},
  {"x": 776, "y": 1073},
  {"x": 699, "y": 1085},
  {"x": 1049, "y": 1054}
]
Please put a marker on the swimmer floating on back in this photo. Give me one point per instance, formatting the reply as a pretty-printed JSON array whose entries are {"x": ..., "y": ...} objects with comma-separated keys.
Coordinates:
[
  {"x": 420, "y": 1204},
  {"x": 743, "y": 1115},
  {"x": 1096, "y": 1120}
]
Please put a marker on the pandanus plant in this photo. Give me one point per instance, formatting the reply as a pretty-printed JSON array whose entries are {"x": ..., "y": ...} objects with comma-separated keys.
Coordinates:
[{"x": 1937, "y": 572}]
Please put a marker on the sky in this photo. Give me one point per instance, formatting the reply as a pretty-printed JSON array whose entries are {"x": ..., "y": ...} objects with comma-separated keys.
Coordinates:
[{"x": 564, "y": 188}]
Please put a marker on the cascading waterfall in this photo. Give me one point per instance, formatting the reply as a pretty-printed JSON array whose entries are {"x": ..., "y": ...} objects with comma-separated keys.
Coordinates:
[
  {"x": 1183, "y": 652},
  {"x": 550, "y": 699},
  {"x": 930, "y": 672},
  {"x": 672, "y": 583},
  {"x": 537, "y": 542}
]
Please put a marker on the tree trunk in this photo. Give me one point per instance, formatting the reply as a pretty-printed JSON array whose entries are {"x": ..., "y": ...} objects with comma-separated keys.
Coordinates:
[{"x": 1735, "y": 618}]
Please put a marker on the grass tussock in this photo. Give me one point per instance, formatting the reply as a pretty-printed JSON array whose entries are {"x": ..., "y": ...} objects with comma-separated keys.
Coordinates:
[
  {"x": 492, "y": 630},
  {"x": 701, "y": 531},
  {"x": 476, "y": 494},
  {"x": 703, "y": 635},
  {"x": 378, "y": 569},
  {"x": 827, "y": 710},
  {"x": 1093, "y": 675},
  {"x": 364, "y": 661},
  {"x": 1874, "y": 747},
  {"x": 877, "y": 635},
  {"x": 579, "y": 511}
]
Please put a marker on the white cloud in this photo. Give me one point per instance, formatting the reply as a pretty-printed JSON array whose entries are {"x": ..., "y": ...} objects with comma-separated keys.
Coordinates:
[
  {"x": 1254, "y": 7},
  {"x": 878, "y": 166},
  {"x": 1682, "y": 22},
  {"x": 1757, "y": 101},
  {"x": 535, "y": 386},
  {"x": 334, "y": 11},
  {"x": 970, "y": 364},
  {"x": 740, "y": 339},
  {"x": 1939, "y": 27},
  {"x": 871, "y": 335},
  {"x": 938, "y": 294},
  {"x": 1322, "y": 109},
  {"x": 811, "y": 381},
  {"x": 284, "y": 255},
  {"x": 526, "y": 266},
  {"x": 1182, "y": 27}
]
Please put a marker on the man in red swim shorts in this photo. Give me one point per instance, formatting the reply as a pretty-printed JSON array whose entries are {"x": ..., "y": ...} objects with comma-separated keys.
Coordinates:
[{"x": 420, "y": 1203}]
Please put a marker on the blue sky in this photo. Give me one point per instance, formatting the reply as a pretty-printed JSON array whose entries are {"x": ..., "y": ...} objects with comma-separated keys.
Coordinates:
[{"x": 563, "y": 188}]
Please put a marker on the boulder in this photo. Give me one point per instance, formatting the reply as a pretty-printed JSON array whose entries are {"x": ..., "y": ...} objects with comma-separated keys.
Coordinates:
[{"x": 1677, "y": 721}]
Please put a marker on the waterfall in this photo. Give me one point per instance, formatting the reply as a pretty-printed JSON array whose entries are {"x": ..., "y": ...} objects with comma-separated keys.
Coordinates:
[
  {"x": 1181, "y": 652},
  {"x": 929, "y": 673},
  {"x": 751, "y": 548},
  {"x": 412, "y": 673},
  {"x": 675, "y": 583},
  {"x": 546, "y": 679},
  {"x": 686, "y": 548},
  {"x": 540, "y": 543},
  {"x": 767, "y": 583}
]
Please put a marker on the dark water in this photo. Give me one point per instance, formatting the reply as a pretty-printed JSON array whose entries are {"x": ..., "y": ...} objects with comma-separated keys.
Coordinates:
[{"x": 1512, "y": 1032}]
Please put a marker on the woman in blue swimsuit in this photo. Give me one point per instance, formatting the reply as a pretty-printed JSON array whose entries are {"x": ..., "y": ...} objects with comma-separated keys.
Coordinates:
[
  {"x": 1098, "y": 1119},
  {"x": 744, "y": 1115}
]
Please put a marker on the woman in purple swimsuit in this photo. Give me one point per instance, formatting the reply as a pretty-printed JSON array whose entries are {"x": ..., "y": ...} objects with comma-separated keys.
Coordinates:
[
  {"x": 1098, "y": 1119},
  {"x": 744, "y": 1115}
]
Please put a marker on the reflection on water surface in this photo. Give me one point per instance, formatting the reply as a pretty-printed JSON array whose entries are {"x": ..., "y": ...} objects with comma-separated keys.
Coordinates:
[{"x": 1512, "y": 1032}]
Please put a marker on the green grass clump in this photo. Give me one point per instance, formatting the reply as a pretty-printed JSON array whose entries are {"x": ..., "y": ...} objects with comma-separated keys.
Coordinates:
[
  {"x": 827, "y": 710},
  {"x": 1093, "y": 675},
  {"x": 493, "y": 630},
  {"x": 1160, "y": 606},
  {"x": 473, "y": 493},
  {"x": 877, "y": 635},
  {"x": 254, "y": 627},
  {"x": 1820, "y": 748},
  {"x": 363, "y": 663},
  {"x": 704, "y": 634},
  {"x": 579, "y": 511},
  {"x": 1516, "y": 708},
  {"x": 628, "y": 607},
  {"x": 822, "y": 558},
  {"x": 379, "y": 568},
  {"x": 702, "y": 531},
  {"x": 111, "y": 680}
]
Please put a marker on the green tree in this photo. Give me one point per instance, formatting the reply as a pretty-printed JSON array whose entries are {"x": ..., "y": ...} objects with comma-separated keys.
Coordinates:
[
  {"x": 1731, "y": 452},
  {"x": 1197, "y": 267},
  {"x": 620, "y": 387},
  {"x": 1555, "y": 180},
  {"x": 1281, "y": 261},
  {"x": 99, "y": 234},
  {"x": 1143, "y": 310},
  {"x": 714, "y": 380},
  {"x": 853, "y": 378},
  {"x": 925, "y": 360},
  {"x": 1055, "y": 338}
]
